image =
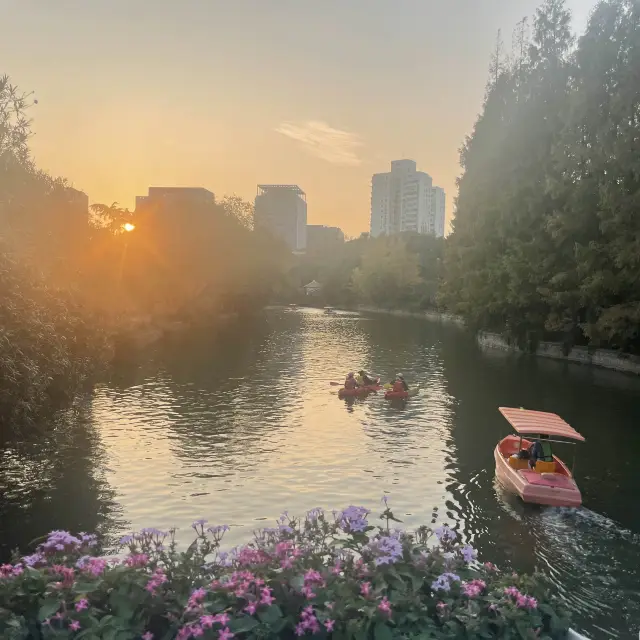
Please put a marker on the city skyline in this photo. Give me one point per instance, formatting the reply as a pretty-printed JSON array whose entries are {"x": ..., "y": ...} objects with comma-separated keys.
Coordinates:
[{"x": 227, "y": 95}]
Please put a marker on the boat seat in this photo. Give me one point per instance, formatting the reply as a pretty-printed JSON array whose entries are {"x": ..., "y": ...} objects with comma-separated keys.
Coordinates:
[
  {"x": 545, "y": 467},
  {"x": 518, "y": 463}
]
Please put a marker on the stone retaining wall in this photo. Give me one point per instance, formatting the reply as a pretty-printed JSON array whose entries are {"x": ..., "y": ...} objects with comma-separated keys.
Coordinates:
[{"x": 582, "y": 355}]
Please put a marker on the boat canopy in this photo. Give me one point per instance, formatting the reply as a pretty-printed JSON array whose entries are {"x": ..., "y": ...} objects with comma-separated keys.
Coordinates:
[{"x": 528, "y": 422}]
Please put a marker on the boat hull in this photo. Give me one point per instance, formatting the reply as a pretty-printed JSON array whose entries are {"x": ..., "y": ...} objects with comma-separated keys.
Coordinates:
[{"x": 552, "y": 489}]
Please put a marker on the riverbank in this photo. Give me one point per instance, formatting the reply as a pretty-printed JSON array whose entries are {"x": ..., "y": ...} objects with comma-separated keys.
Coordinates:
[
  {"x": 604, "y": 358},
  {"x": 434, "y": 316}
]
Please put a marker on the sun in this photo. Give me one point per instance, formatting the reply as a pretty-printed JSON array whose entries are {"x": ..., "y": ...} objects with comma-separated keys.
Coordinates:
[{"x": 127, "y": 226}]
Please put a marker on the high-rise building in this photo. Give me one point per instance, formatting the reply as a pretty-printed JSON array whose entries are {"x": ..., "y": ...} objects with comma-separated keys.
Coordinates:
[
  {"x": 402, "y": 200},
  {"x": 172, "y": 196},
  {"x": 323, "y": 240},
  {"x": 438, "y": 210},
  {"x": 282, "y": 210}
]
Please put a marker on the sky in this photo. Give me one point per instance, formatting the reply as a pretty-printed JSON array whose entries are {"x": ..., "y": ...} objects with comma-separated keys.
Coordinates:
[{"x": 229, "y": 94}]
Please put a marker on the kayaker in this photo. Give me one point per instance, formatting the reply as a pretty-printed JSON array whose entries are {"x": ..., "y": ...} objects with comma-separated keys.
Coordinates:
[
  {"x": 399, "y": 385},
  {"x": 359, "y": 378},
  {"x": 367, "y": 380},
  {"x": 350, "y": 382}
]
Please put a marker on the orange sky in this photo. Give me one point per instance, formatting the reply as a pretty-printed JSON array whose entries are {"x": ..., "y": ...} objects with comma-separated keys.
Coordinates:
[{"x": 228, "y": 94}]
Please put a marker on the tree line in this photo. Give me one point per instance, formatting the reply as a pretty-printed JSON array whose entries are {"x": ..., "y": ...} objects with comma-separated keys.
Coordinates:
[
  {"x": 545, "y": 242},
  {"x": 546, "y": 236}
]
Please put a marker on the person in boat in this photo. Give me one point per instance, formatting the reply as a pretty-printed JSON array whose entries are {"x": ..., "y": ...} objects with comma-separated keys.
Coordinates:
[
  {"x": 350, "y": 383},
  {"x": 359, "y": 379},
  {"x": 400, "y": 384},
  {"x": 367, "y": 379},
  {"x": 535, "y": 452}
]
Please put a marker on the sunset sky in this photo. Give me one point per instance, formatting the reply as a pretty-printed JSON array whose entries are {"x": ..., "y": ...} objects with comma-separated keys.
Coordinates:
[{"x": 226, "y": 94}]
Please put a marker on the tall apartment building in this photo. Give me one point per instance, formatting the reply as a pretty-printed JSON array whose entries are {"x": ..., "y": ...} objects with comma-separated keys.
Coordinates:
[
  {"x": 402, "y": 200},
  {"x": 282, "y": 210}
]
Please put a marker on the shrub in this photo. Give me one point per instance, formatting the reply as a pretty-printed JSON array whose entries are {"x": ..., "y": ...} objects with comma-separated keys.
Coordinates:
[
  {"x": 49, "y": 345},
  {"x": 321, "y": 575}
]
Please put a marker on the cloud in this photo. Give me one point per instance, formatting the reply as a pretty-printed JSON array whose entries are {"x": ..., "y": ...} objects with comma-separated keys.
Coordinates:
[{"x": 320, "y": 139}]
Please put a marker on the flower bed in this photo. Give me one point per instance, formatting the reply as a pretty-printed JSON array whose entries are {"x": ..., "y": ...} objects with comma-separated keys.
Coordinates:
[{"x": 326, "y": 575}]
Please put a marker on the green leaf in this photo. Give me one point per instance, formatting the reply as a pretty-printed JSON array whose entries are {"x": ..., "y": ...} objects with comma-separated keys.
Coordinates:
[
  {"x": 48, "y": 608},
  {"x": 270, "y": 615},
  {"x": 86, "y": 587},
  {"x": 382, "y": 632},
  {"x": 243, "y": 624}
]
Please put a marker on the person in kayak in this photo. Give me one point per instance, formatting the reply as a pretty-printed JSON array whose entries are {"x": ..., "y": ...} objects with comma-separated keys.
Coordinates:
[
  {"x": 367, "y": 379},
  {"x": 359, "y": 379},
  {"x": 399, "y": 384},
  {"x": 350, "y": 382}
]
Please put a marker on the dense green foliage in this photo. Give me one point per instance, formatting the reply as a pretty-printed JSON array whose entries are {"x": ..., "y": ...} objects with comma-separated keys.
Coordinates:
[
  {"x": 396, "y": 272},
  {"x": 322, "y": 576},
  {"x": 546, "y": 238}
]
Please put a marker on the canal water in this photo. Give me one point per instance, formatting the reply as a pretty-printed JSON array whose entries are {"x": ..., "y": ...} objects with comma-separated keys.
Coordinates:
[{"x": 239, "y": 430}]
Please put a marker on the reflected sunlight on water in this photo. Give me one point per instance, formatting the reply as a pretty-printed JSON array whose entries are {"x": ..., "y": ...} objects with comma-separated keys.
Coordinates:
[{"x": 239, "y": 432}]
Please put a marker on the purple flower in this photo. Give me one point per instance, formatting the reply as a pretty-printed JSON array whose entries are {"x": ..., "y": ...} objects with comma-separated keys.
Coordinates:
[
  {"x": 33, "y": 560},
  {"x": 74, "y": 626},
  {"x": 353, "y": 519},
  {"x": 468, "y": 553},
  {"x": 329, "y": 624},
  {"x": 443, "y": 582},
  {"x": 225, "y": 634},
  {"x": 445, "y": 534},
  {"x": 128, "y": 539},
  {"x": 198, "y": 523}
]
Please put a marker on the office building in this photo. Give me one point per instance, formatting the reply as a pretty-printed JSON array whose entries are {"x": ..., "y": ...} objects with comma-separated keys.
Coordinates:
[
  {"x": 175, "y": 196},
  {"x": 323, "y": 240},
  {"x": 403, "y": 200},
  {"x": 282, "y": 210}
]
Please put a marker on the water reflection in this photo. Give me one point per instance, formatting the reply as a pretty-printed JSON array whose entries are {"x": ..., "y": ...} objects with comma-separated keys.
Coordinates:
[{"x": 237, "y": 430}]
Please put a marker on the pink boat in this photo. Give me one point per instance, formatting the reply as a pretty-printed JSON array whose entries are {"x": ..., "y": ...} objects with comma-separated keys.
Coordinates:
[{"x": 550, "y": 482}]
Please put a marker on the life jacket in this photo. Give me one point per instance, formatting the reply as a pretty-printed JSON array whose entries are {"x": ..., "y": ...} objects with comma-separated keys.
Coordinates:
[
  {"x": 350, "y": 383},
  {"x": 398, "y": 385},
  {"x": 359, "y": 380}
]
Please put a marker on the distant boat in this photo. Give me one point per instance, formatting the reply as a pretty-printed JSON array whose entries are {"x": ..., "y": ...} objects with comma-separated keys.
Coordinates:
[
  {"x": 293, "y": 305},
  {"x": 329, "y": 310}
]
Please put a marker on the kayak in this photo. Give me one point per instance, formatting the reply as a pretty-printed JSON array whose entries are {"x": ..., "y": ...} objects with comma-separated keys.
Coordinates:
[
  {"x": 359, "y": 391},
  {"x": 401, "y": 395}
]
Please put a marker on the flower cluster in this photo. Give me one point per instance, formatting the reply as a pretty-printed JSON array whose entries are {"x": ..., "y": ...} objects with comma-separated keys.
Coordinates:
[{"x": 312, "y": 576}]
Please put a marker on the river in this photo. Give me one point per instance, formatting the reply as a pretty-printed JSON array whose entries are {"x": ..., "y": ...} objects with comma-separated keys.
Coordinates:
[{"x": 239, "y": 430}]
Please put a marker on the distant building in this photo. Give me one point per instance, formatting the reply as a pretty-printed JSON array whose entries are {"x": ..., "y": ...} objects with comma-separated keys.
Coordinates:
[
  {"x": 323, "y": 240},
  {"x": 282, "y": 210},
  {"x": 172, "y": 196},
  {"x": 313, "y": 288},
  {"x": 403, "y": 200},
  {"x": 438, "y": 210}
]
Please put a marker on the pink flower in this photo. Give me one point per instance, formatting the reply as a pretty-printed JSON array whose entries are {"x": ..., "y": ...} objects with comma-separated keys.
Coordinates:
[
  {"x": 137, "y": 560},
  {"x": 512, "y": 591},
  {"x": 207, "y": 621},
  {"x": 266, "y": 597},
  {"x": 441, "y": 607},
  {"x": 365, "y": 589},
  {"x": 474, "y": 588},
  {"x": 385, "y": 607},
  {"x": 81, "y": 605},
  {"x": 147, "y": 636},
  {"x": 222, "y": 619},
  {"x": 74, "y": 626},
  {"x": 225, "y": 634},
  {"x": 336, "y": 569},
  {"x": 329, "y": 624},
  {"x": 489, "y": 566},
  {"x": 493, "y": 607},
  {"x": 251, "y": 608},
  {"x": 196, "y": 631},
  {"x": 300, "y": 630}
]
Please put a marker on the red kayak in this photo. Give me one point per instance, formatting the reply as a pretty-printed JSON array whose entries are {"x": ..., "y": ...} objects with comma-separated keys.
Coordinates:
[
  {"x": 359, "y": 391},
  {"x": 396, "y": 395}
]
